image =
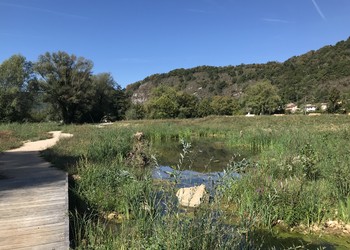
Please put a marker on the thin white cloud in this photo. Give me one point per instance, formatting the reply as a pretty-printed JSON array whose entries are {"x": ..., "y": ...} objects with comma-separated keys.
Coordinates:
[
  {"x": 318, "y": 9},
  {"x": 42, "y": 10},
  {"x": 273, "y": 20}
]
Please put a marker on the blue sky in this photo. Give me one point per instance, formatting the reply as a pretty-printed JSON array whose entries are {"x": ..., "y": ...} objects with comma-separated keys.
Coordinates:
[{"x": 133, "y": 39}]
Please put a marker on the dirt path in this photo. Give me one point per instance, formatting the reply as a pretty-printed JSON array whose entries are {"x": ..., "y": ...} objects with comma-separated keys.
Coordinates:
[{"x": 33, "y": 199}]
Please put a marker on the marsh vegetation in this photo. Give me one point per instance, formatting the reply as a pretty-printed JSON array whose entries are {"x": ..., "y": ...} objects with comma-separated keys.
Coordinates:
[{"x": 294, "y": 174}]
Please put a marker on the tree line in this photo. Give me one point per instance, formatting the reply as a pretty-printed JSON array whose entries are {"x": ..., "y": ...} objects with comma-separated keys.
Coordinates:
[
  {"x": 261, "y": 98},
  {"x": 58, "y": 86},
  {"x": 62, "y": 87},
  {"x": 167, "y": 102}
]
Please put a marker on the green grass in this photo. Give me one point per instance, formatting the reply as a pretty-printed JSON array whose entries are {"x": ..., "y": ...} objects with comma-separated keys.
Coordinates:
[
  {"x": 298, "y": 172},
  {"x": 303, "y": 171},
  {"x": 12, "y": 135}
]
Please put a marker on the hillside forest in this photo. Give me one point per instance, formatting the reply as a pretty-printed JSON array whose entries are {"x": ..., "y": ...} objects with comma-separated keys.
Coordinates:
[{"x": 62, "y": 87}]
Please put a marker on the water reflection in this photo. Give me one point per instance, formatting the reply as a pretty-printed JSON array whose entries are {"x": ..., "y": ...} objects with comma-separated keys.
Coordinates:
[
  {"x": 205, "y": 155},
  {"x": 186, "y": 178},
  {"x": 204, "y": 165}
]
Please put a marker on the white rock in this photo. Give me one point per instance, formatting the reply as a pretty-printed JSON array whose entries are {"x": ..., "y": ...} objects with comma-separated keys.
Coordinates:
[{"x": 192, "y": 196}]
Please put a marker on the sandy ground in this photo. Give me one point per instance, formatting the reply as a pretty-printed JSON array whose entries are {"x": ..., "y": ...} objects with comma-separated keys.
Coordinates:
[{"x": 43, "y": 144}]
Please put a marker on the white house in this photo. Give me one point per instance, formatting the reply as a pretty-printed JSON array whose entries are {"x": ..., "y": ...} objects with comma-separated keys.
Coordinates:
[
  {"x": 249, "y": 114},
  {"x": 310, "y": 108},
  {"x": 324, "y": 106},
  {"x": 291, "y": 107}
]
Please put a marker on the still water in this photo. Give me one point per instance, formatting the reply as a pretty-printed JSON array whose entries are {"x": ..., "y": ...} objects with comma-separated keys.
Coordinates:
[
  {"x": 204, "y": 163},
  {"x": 204, "y": 155}
]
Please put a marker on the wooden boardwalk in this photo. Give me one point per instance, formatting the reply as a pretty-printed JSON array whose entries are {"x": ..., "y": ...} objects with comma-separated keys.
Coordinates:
[{"x": 33, "y": 200}]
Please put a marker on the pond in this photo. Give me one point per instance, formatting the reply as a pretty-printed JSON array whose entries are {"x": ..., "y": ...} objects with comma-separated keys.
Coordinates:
[
  {"x": 200, "y": 161},
  {"x": 204, "y": 162},
  {"x": 204, "y": 155}
]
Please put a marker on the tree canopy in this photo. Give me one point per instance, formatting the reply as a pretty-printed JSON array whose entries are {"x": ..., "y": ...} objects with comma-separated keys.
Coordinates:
[
  {"x": 167, "y": 102},
  {"x": 66, "y": 82},
  {"x": 163, "y": 104},
  {"x": 262, "y": 98},
  {"x": 109, "y": 100},
  {"x": 75, "y": 93},
  {"x": 17, "y": 84},
  {"x": 60, "y": 86}
]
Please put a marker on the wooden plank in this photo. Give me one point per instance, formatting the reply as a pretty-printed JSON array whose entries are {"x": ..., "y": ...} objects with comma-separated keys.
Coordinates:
[
  {"x": 31, "y": 240},
  {"x": 33, "y": 192},
  {"x": 35, "y": 230},
  {"x": 14, "y": 223},
  {"x": 32, "y": 212},
  {"x": 49, "y": 246},
  {"x": 33, "y": 202}
]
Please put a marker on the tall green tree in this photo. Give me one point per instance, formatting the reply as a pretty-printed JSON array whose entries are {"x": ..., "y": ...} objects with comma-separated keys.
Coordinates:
[
  {"x": 163, "y": 103},
  {"x": 223, "y": 105},
  {"x": 67, "y": 84},
  {"x": 346, "y": 101},
  {"x": 262, "y": 98},
  {"x": 135, "y": 112},
  {"x": 187, "y": 105},
  {"x": 163, "y": 107},
  {"x": 109, "y": 99},
  {"x": 204, "y": 108},
  {"x": 17, "y": 89},
  {"x": 333, "y": 101},
  {"x": 166, "y": 102}
]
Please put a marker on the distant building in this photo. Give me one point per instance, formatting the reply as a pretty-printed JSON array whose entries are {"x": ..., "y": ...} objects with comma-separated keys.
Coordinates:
[
  {"x": 291, "y": 107},
  {"x": 324, "y": 106},
  {"x": 310, "y": 108},
  {"x": 249, "y": 114}
]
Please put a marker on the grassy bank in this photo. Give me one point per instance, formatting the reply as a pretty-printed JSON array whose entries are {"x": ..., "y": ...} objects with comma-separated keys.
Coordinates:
[
  {"x": 302, "y": 175},
  {"x": 12, "y": 135},
  {"x": 115, "y": 204}
]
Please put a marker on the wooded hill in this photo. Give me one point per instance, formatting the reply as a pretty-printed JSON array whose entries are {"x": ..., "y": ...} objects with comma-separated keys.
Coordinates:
[{"x": 305, "y": 78}]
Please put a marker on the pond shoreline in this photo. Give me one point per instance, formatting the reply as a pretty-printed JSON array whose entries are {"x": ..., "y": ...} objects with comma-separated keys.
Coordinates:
[{"x": 189, "y": 178}]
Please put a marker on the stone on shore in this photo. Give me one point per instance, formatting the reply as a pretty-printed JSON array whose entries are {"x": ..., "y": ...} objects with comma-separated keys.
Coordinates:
[{"x": 192, "y": 196}]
